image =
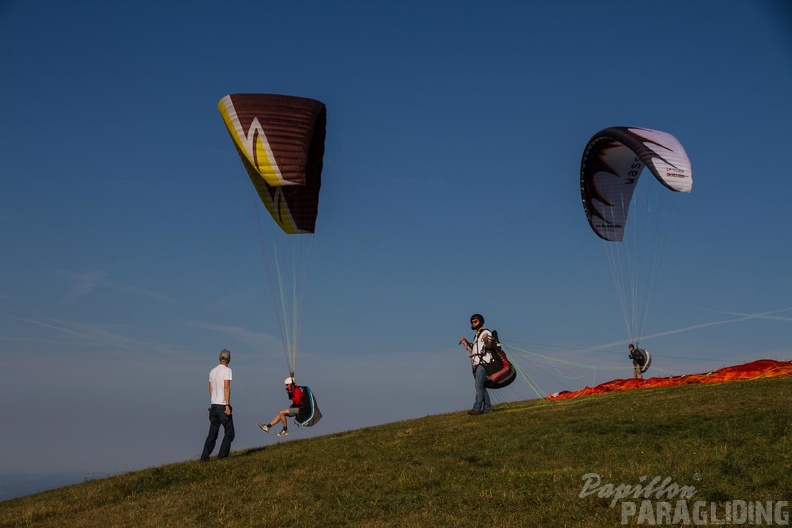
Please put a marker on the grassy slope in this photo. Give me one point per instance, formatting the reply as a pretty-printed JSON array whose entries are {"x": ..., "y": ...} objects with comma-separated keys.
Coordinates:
[{"x": 520, "y": 466}]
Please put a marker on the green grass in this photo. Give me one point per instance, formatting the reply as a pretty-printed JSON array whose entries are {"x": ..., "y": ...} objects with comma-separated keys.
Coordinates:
[{"x": 520, "y": 466}]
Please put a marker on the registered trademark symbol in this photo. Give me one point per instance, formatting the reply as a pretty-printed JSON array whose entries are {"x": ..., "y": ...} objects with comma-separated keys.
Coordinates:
[{"x": 696, "y": 476}]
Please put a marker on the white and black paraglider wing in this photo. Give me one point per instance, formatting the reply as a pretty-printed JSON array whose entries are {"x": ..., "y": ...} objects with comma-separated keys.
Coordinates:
[{"x": 611, "y": 166}]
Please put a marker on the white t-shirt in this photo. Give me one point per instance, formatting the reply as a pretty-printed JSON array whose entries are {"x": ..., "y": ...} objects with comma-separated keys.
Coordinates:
[
  {"x": 217, "y": 378},
  {"x": 478, "y": 351}
]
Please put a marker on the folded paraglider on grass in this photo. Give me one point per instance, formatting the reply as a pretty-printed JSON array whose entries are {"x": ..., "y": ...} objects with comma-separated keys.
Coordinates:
[{"x": 762, "y": 368}]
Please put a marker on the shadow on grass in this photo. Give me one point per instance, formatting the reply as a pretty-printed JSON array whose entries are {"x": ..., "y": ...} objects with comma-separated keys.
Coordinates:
[{"x": 252, "y": 451}]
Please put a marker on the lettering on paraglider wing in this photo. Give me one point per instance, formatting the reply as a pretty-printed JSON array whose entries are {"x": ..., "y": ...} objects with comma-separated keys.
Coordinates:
[
  {"x": 672, "y": 171},
  {"x": 635, "y": 170}
]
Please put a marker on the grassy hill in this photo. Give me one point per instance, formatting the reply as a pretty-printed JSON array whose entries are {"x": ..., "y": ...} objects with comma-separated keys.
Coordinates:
[{"x": 523, "y": 465}]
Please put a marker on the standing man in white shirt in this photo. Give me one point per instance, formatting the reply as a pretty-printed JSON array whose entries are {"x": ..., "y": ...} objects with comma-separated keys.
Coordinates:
[
  {"x": 479, "y": 354},
  {"x": 220, "y": 410}
]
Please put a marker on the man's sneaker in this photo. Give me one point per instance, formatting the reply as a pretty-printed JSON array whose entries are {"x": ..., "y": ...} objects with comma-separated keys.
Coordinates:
[
  {"x": 283, "y": 433},
  {"x": 264, "y": 427}
]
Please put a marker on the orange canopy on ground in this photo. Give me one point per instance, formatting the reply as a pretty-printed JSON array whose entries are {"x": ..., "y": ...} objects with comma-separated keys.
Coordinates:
[{"x": 762, "y": 368}]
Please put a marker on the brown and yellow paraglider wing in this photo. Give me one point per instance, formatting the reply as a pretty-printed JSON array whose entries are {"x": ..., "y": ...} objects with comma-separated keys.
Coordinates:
[{"x": 280, "y": 140}]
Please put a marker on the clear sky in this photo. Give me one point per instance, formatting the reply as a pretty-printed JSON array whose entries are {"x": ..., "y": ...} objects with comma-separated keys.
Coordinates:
[{"x": 450, "y": 186}]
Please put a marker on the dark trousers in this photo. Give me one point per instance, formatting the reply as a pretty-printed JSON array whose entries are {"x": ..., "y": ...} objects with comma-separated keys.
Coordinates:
[{"x": 218, "y": 417}]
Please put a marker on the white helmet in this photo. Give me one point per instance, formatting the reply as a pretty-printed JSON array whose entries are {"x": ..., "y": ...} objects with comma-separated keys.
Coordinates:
[{"x": 288, "y": 381}]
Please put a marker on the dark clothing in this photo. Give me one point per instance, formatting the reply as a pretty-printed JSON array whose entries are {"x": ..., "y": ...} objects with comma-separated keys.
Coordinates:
[
  {"x": 639, "y": 359},
  {"x": 638, "y": 356},
  {"x": 218, "y": 417}
]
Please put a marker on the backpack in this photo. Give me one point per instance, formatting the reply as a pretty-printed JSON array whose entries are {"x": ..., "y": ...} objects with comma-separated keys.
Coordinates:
[
  {"x": 500, "y": 371},
  {"x": 309, "y": 412},
  {"x": 647, "y": 361},
  {"x": 645, "y": 355}
]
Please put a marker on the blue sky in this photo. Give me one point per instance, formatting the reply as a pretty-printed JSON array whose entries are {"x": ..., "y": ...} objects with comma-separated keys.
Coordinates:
[{"x": 450, "y": 186}]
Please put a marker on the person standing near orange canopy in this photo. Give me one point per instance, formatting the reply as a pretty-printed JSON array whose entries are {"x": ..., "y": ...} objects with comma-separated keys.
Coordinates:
[{"x": 638, "y": 356}]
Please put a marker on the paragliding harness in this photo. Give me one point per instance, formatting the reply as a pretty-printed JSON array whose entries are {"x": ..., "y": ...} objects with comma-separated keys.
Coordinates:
[
  {"x": 642, "y": 353},
  {"x": 500, "y": 371},
  {"x": 309, "y": 412}
]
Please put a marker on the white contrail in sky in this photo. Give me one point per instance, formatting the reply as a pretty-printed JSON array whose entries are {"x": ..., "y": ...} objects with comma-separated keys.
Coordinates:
[
  {"x": 741, "y": 318},
  {"x": 238, "y": 333},
  {"x": 97, "y": 335},
  {"x": 86, "y": 282},
  {"x": 766, "y": 315}
]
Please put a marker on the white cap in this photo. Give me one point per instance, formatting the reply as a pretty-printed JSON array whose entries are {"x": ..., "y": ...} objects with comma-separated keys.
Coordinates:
[{"x": 288, "y": 381}]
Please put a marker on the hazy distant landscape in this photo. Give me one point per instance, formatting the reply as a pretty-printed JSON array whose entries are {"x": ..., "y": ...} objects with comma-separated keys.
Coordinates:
[{"x": 19, "y": 485}]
